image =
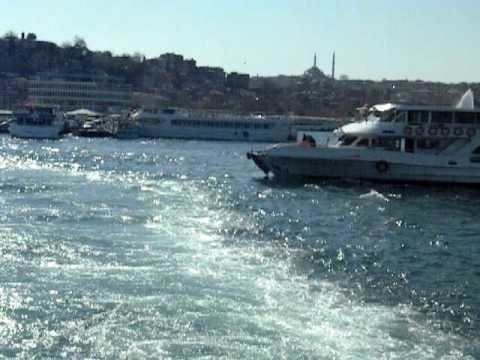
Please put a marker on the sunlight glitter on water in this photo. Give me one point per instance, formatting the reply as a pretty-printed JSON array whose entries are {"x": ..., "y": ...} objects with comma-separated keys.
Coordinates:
[
  {"x": 172, "y": 259},
  {"x": 288, "y": 314}
]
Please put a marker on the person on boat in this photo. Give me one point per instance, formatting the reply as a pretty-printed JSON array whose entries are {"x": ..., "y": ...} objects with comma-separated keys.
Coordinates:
[
  {"x": 307, "y": 141},
  {"x": 311, "y": 140}
]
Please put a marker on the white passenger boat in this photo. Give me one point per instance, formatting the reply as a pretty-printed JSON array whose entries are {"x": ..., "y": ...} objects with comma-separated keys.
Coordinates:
[
  {"x": 38, "y": 123},
  {"x": 175, "y": 123},
  {"x": 397, "y": 143},
  {"x": 6, "y": 116}
]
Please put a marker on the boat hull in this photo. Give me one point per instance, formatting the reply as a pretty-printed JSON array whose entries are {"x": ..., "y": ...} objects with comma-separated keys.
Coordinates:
[
  {"x": 126, "y": 134},
  {"x": 249, "y": 135},
  {"x": 373, "y": 170},
  {"x": 35, "y": 131}
]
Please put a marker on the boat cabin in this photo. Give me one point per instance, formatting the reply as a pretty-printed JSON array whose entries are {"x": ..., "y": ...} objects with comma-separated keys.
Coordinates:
[
  {"x": 412, "y": 129},
  {"x": 40, "y": 116}
]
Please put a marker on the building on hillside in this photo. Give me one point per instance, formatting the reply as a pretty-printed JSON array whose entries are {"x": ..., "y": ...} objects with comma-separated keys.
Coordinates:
[
  {"x": 73, "y": 91},
  {"x": 13, "y": 92},
  {"x": 212, "y": 75},
  {"x": 189, "y": 67},
  {"x": 171, "y": 62},
  {"x": 238, "y": 81}
]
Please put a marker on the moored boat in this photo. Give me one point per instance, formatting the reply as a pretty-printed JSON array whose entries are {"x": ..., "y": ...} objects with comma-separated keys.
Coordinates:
[
  {"x": 37, "y": 123},
  {"x": 6, "y": 116},
  {"x": 126, "y": 128},
  {"x": 203, "y": 125},
  {"x": 98, "y": 128},
  {"x": 399, "y": 143}
]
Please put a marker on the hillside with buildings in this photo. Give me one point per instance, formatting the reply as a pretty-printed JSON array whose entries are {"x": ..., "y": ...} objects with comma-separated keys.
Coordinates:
[{"x": 34, "y": 71}]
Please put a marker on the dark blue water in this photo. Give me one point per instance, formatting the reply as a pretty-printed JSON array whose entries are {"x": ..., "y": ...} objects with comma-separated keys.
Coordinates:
[{"x": 180, "y": 249}]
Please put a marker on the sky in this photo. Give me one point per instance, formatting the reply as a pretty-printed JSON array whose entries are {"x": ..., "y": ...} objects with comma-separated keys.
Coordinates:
[{"x": 432, "y": 40}]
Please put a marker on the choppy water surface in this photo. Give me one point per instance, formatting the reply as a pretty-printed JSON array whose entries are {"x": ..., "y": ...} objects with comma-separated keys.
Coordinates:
[{"x": 179, "y": 249}]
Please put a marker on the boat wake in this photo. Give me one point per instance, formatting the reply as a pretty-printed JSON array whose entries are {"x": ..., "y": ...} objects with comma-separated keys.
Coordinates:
[{"x": 373, "y": 194}]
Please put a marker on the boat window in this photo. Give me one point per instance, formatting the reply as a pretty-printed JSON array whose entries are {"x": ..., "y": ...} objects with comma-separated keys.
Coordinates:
[
  {"x": 466, "y": 118},
  {"x": 347, "y": 140},
  {"x": 401, "y": 116},
  {"x": 362, "y": 143},
  {"x": 409, "y": 145},
  {"x": 417, "y": 117},
  {"x": 442, "y": 117},
  {"x": 427, "y": 144},
  {"x": 385, "y": 116},
  {"x": 387, "y": 143},
  {"x": 434, "y": 144}
]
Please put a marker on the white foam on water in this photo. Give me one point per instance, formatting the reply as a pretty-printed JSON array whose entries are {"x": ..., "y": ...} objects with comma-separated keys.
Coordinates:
[
  {"x": 210, "y": 296},
  {"x": 244, "y": 302},
  {"x": 373, "y": 194}
]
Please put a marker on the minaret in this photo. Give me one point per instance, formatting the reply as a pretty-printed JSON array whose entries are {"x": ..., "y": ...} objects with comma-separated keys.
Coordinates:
[
  {"x": 315, "y": 60},
  {"x": 333, "y": 66}
]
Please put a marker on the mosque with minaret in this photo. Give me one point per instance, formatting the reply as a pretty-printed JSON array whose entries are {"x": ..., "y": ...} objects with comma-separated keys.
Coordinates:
[{"x": 314, "y": 73}]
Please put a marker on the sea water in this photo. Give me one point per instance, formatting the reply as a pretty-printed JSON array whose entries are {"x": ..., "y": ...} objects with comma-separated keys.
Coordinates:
[{"x": 181, "y": 249}]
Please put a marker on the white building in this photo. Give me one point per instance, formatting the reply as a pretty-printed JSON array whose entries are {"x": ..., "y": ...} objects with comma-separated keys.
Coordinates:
[{"x": 73, "y": 92}]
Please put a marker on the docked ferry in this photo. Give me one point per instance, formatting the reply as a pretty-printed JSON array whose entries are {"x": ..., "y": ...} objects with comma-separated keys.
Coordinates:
[
  {"x": 396, "y": 143},
  {"x": 37, "y": 123},
  {"x": 184, "y": 124},
  {"x": 6, "y": 116}
]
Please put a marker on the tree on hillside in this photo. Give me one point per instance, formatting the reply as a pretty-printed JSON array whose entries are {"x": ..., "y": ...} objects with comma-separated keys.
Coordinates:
[
  {"x": 10, "y": 35},
  {"x": 79, "y": 42},
  {"x": 31, "y": 37},
  {"x": 138, "y": 57}
]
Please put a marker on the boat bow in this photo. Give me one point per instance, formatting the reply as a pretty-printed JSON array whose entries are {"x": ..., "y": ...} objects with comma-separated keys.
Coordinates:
[{"x": 259, "y": 158}]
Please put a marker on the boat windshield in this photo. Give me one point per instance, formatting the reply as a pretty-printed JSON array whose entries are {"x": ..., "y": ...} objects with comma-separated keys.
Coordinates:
[
  {"x": 346, "y": 140},
  {"x": 383, "y": 116}
]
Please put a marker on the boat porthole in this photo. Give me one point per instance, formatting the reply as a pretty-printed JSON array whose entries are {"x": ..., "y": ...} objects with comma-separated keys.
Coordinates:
[
  {"x": 445, "y": 131},
  {"x": 382, "y": 167},
  {"x": 471, "y": 132},
  {"x": 432, "y": 131}
]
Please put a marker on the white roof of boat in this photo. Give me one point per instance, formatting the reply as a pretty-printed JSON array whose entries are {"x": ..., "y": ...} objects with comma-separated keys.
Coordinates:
[
  {"x": 390, "y": 106},
  {"x": 6, "y": 112},
  {"x": 84, "y": 112}
]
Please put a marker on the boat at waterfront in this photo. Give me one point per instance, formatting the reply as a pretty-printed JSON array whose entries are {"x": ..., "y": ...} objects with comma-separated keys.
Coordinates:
[
  {"x": 37, "y": 123},
  {"x": 396, "y": 143},
  {"x": 97, "y": 128},
  {"x": 203, "y": 125},
  {"x": 126, "y": 129},
  {"x": 76, "y": 119},
  {"x": 6, "y": 116},
  {"x": 214, "y": 125}
]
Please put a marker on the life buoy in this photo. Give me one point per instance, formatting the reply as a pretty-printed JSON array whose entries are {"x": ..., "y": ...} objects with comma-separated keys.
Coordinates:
[
  {"x": 382, "y": 167},
  {"x": 419, "y": 131},
  {"x": 458, "y": 131},
  {"x": 433, "y": 131},
  {"x": 408, "y": 131},
  {"x": 445, "y": 131},
  {"x": 471, "y": 132}
]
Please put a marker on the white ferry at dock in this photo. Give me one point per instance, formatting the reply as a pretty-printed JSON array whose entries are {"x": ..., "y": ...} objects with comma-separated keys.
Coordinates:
[
  {"x": 395, "y": 143},
  {"x": 6, "y": 116},
  {"x": 37, "y": 123},
  {"x": 206, "y": 125}
]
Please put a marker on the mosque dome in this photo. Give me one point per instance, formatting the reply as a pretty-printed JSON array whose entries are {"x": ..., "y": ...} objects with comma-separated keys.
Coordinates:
[{"x": 314, "y": 72}]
